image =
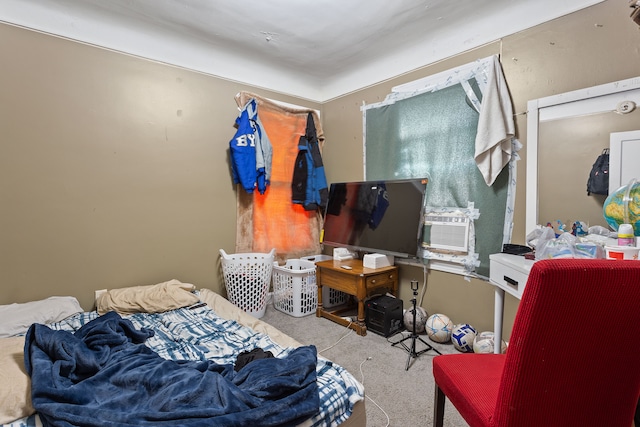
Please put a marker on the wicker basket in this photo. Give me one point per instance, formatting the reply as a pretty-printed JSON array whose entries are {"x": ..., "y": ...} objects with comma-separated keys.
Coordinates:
[{"x": 247, "y": 277}]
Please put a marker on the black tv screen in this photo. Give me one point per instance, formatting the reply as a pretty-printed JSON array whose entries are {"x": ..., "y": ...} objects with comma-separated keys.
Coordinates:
[{"x": 376, "y": 216}]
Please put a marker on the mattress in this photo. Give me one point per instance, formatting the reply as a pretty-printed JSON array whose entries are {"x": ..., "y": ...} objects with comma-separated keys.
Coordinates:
[{"x": 217, "y": 331}]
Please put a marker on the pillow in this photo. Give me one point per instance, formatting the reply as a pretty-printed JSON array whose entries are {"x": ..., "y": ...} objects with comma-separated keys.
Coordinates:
[
  {"x": 15, "y": 384},
  {"x": 156, "y": 298},
  {"x": 15, "y": 319}
]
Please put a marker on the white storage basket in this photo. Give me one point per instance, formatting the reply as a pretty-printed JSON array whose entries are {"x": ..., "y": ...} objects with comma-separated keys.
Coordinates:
[
  {"x": 330, "y": 296},
  {"x": 318, "y": 258},
  {"x": 294, "y": 287},
  {"x": 247, "y": 277}
]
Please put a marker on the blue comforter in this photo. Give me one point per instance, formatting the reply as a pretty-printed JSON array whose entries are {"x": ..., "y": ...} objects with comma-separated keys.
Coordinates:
[{"x": 104, "y": 375}]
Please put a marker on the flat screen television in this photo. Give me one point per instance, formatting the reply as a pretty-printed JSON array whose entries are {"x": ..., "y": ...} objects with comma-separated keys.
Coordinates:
[{"x": 376, "y": 216}]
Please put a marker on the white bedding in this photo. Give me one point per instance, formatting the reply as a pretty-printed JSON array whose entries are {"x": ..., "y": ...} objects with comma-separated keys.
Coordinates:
[{"x": 16, "y": 318}]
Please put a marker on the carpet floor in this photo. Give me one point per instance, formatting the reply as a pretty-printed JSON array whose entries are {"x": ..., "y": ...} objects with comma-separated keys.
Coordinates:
[{"x": 395, "y": 396}]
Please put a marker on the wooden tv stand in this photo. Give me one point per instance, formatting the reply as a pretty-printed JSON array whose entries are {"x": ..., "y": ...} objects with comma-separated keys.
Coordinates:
[{"x": 358, "y": 281}]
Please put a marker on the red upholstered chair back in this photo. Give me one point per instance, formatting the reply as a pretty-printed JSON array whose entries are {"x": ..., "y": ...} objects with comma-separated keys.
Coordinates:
[{"x": 574, "y": 351}]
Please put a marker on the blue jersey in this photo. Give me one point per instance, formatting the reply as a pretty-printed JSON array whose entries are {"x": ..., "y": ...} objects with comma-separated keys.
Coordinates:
[{"x": 250, "y": 151}]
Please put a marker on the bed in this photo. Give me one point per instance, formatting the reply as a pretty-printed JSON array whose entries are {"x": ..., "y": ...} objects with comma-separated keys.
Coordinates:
[{"x": 164, "y": 354}]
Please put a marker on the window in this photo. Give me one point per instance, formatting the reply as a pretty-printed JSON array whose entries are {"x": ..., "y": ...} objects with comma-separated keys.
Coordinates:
[{"x": 430, "y": 129}]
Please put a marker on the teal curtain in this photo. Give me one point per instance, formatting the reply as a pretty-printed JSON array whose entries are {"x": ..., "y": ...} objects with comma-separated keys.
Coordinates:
[{"x": 433, "y": 135}]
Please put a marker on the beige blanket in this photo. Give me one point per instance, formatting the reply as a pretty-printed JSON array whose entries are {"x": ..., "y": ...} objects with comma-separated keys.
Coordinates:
[
  {"x": 156, "y": 298},
  {"x": 15, "y": 384}
]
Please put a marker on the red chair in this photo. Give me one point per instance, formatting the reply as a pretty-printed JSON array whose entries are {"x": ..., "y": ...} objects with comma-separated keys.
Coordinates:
[{"x": 573, "y": 357}]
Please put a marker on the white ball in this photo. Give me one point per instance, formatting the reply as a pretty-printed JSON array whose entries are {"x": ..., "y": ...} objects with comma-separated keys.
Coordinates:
[
  {"x": 439, "y": 328},
  {"x": 463, "y": 336},
  {"x": 421, "y": 318},
  {"x": 483, "y": 343}
]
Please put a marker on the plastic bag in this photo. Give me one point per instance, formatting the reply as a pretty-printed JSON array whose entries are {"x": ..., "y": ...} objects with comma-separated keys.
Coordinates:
[
  {"x": 561, "y": 247},
  {"x": 586, "y": 249}
]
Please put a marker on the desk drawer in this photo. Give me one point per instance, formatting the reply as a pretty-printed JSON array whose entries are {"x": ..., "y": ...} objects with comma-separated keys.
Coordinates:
[
  {"x": 340, "y": 281},
  {"x": 508, "y": 278},
  {"x": 382, "y": 279}
]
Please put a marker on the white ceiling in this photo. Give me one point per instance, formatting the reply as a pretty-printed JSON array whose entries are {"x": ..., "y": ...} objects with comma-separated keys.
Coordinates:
[{"x": 317, "y": 50}]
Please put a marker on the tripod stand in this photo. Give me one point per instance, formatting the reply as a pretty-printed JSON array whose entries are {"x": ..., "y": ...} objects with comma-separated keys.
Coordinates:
[{"x": 414, "y": 335}]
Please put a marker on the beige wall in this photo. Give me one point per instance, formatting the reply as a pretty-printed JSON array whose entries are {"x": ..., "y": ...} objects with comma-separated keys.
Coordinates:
[{"x": 114, "y": 169}]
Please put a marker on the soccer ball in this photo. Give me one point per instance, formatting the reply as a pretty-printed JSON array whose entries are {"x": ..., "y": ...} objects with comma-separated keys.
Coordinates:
[
  {"x": 439, "y": 328},
  {"x": 483, "y": 343},
  {"x": 463, "y": 336},
  {"x": 421, "y": 318}
]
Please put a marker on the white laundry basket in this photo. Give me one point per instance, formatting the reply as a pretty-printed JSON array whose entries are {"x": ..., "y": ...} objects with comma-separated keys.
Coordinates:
[
  {"x": 247, "y": 277},
  {"x": 294, "y": 287},
  {"x": 330, "y": 296}
]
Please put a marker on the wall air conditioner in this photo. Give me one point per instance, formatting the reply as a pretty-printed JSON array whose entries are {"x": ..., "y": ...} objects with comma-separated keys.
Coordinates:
[{"x": 446, "y": 232}]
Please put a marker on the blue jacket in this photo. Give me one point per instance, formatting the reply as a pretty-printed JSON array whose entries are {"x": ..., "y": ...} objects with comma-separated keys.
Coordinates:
[
  {"x": 250, "y": 151},
  {"x": 309, "y": 183}
]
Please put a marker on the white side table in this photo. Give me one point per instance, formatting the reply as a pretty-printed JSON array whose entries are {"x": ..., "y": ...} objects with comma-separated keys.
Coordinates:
[{"x": 508, "y": 273}]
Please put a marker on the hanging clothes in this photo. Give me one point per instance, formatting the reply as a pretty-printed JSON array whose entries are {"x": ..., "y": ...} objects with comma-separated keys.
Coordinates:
[
  {"x": 309, "y": 183},
  {"x": 251, "y": 151},
  {"x": 264, "y": 149}
]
